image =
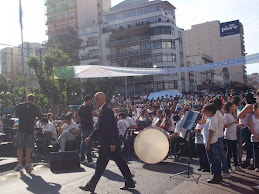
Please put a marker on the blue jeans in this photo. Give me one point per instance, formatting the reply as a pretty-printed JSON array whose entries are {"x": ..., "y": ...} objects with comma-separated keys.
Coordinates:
[
  {"x": 222, "y": 155},
  {"x": 86, "y": 148},
  {"x": 214, "y": 161},
  {"x": 203, "y": 158},
  {"x": 256, "y": 154}
]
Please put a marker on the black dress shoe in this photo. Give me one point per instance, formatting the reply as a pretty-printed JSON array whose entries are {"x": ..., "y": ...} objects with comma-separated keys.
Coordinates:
[
  {"x": 128, "y": 185},
  {"x": 200, "y": 169},
  {"x": 214, "y": 180},
  {"x": 86, "y": 188}
]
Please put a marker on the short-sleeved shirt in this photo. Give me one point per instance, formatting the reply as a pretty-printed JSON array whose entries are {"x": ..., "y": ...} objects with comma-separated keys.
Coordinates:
[
  {"x": 85, "y": 114},
  {"x": 68, "y": 127},
  {"x": 220, "y": 124},
  {"x": 198, "y": 135},
  {"x": 122, "y": 125},
  {"x": 231, "y": 131},
  {"x": 27, "y": 112},
  {"x": 210, "y": 125},
  {"x": 49, "y": 127}
]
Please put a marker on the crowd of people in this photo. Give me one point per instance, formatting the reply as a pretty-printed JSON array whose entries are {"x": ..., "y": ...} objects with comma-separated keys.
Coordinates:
[{"x": 228, "y": 125}]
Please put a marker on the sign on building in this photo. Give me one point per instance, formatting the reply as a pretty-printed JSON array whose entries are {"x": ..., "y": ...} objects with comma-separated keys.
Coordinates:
[{"x": 229, "y": 28}]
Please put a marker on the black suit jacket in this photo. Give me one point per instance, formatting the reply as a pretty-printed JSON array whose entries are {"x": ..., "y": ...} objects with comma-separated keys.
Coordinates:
[{"x": 106, "y": 129}]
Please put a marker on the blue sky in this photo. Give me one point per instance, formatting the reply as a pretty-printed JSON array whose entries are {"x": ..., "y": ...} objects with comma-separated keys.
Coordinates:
[{"x": 188, "y": 12}]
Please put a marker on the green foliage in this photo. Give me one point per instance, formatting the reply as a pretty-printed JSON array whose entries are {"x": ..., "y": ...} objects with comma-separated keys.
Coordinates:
[
  {"x": 4, "y": 85},
  {"x": 53, "y": 89},
  {"x": 106, "y": 85}
]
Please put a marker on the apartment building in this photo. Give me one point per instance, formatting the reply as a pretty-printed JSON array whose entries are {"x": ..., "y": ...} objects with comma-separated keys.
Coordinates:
[
  {"x": 200, "y": 80},
  {"x": 9, "y": 61},
  {"x": 60, "y": 15},
  {"x": 142, "y": 33},
  {"x": 90, "y": 14},
  {"x": 221, "y": 41}
]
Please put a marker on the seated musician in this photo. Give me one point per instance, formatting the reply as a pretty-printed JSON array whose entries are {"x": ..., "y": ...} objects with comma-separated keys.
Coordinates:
[
  {"x": 48, "y": 127},
  {"x": 70, "y": 131}
]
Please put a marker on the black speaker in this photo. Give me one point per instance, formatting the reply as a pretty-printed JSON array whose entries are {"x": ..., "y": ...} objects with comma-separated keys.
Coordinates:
[{"x": 64, "y": 161}]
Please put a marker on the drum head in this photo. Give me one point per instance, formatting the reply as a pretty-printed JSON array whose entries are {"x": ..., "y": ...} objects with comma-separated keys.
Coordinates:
[{"x": 151, "y": 145}]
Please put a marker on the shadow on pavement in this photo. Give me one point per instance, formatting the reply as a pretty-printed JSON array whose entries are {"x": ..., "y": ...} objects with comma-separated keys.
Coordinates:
[
  {"x": 167, "y": 167},
  {"x": 36, "y": 184},
  {"x": 68, "y": 171}
]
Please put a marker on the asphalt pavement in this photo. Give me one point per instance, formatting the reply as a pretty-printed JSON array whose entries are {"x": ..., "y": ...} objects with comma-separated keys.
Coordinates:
[{"x": 150, "y": 179}]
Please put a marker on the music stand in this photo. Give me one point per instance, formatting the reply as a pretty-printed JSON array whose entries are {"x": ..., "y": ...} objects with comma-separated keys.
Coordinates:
[{"x": 189, "y": 123}]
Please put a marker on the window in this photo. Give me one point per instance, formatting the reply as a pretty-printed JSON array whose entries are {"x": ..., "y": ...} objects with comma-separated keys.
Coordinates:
[
  {"x": 158, "y": 57},
  {"x": 156, "y": 31},
  {"x": 167, "y": 44}
]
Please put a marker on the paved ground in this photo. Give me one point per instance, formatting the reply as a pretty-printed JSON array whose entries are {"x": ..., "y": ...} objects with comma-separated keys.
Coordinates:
[{"x": 151, "y": 179}]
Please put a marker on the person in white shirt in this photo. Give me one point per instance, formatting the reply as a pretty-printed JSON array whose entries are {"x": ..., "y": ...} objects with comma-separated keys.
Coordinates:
[
  {"x": 219, "y": 127},
  {"x": 49, "y": 127},
  {"x": 254, "y": 128},
  {"x": 70, "y": 131},
  {"x": 122, "y": 124},
  {"x": 230, "y": 125},
  {"x": 210, "y": 141},
  {"x": 200, "y": 148}
]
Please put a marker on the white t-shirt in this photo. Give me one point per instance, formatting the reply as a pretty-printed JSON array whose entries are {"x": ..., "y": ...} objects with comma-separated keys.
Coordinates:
[
  {"x": 198, "y": 135},
  {"x": 122, "y": 125},
  {"x": 49, "y": 127},
  {"x": 72, "y": 126},
  {"x": 220, "y": 124},
  {"x": 255, "y": 127},
  {"x": 131, "y": 121},
  {"x": 230, "y": 132},
  {"x": 210, "y": 125}
]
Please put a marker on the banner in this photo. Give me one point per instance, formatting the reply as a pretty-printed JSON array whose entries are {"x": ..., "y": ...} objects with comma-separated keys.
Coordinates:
[{"x": 95, "y": 71}]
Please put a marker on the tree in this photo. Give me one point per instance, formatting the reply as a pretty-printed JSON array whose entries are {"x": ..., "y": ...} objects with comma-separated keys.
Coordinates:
[
  {"x": 69, "y": 42},
  {"x": 54, "y": 90},
  {"x": 106, "y": 85},
  {"x": 4, "y": 85}
]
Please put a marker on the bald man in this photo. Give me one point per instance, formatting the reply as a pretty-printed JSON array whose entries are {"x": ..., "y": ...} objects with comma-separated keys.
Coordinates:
[{"x": 107, "y": 134}]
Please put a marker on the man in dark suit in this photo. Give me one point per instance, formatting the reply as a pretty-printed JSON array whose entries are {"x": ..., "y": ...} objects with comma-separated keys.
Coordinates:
[{"x": 108, "y": 135}]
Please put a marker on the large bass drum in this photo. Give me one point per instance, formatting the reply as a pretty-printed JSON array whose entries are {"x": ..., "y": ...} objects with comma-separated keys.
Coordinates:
[{"x": 152, "y": 145}]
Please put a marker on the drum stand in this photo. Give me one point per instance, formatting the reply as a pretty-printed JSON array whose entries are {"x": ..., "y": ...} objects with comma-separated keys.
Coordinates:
[{"x": 188, "y": 171}]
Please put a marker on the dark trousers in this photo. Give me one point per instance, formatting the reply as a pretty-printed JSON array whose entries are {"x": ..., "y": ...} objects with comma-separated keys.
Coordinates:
[
  {"x": 203, "y": 158},
  {"x": 247, "y": 138},
  {"x": 86, "y": 148},
  {"x": 232, "y": 152},
  {"x": 256, "y": 154},
  {"x": 102, "y": 161},
  {"x": 214, "y": 161}
]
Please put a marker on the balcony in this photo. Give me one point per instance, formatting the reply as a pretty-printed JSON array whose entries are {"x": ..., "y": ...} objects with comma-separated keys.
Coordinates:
[
  {"x": 86, "y": 57},
  {"x": 129, "y": 54},
  {"x": 111, "y": 43}
]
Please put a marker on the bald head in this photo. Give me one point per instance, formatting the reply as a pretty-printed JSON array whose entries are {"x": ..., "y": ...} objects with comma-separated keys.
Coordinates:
[{"x": 99, "y": 99}]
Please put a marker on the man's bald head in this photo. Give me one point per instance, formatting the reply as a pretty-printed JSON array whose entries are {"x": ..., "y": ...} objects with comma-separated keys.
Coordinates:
[{"x": 99, "y": 98}]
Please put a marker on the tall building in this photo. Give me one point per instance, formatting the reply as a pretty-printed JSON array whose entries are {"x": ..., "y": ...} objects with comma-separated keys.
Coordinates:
[
  {"x": 90, "y": 14},
  {"x": 221, "y": 41},
  {"x": 142, "y": 33},
  {"x": 9, "y": 61},
  {"x": 61, "y": 14}
]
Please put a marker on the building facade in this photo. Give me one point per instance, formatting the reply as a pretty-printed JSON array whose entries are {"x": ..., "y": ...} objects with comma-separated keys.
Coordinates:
[
  {"x": 200, "y": 80},
  {"x": 90, "y": 14},
  {"x": 12, "y": 66},
  {"x": 61, "y": 14},
  {"x": 222, "y": 41},
  {"x": 9, "y": 61},
  {"x": 142, "y": 33}
]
